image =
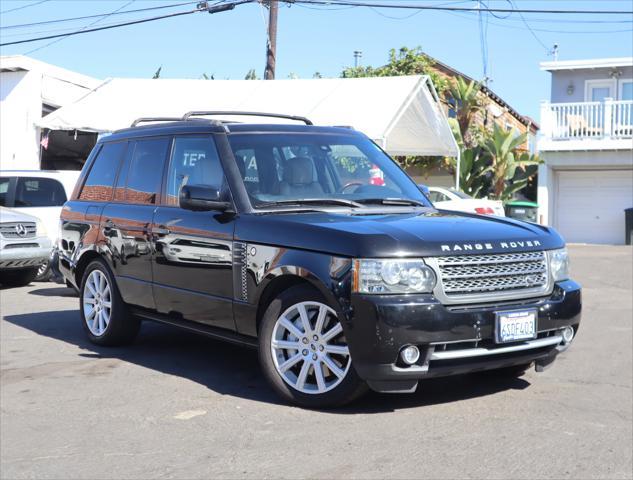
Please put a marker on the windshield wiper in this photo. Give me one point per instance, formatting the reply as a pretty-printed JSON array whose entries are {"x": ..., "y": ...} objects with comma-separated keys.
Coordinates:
[
  {"x": 393, "y": 201},
  {"x": 312, "y": 201}
]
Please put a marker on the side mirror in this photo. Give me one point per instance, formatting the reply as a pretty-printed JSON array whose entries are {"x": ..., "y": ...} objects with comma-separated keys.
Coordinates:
[{"x": 202, "y": 197}]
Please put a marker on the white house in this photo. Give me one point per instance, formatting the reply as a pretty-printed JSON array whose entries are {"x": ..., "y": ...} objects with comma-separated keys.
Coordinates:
[
  {"x": 587, "y": 144},
  {"x": 29, "y": 90}
]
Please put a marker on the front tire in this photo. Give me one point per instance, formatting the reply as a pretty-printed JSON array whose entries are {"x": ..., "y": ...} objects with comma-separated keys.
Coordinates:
[
  {"x": 304, "y": 353},
  {"x": 44, "y": 272},
  {"x": 104, "y": 315}
]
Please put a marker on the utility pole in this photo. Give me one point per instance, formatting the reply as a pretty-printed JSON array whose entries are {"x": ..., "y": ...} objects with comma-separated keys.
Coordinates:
[{"x": 271, "y": 47}]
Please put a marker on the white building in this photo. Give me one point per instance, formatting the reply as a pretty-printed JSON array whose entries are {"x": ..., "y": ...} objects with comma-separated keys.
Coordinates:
[
  {"x": 587, "y": 144},
  {"x": 29, "y": 90}
]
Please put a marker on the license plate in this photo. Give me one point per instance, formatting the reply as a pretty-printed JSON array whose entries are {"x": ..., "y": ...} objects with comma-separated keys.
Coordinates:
[{"x": 516, "y": 325}]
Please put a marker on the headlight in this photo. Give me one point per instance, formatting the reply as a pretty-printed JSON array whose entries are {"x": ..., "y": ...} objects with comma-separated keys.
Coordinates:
[
  {"x": 392, "y": 276},
  {"x": 40, "y": 229},
  {"x": 559, "y": 264}
]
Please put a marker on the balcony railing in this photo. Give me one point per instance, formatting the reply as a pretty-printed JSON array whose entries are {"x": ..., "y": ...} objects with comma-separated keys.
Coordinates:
[{"x": 587, "y": 120}]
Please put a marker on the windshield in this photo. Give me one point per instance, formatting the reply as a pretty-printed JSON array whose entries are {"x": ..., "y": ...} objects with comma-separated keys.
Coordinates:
[
  {"x": 335, "y": 170},
  {"x": 460, "y": 194}
]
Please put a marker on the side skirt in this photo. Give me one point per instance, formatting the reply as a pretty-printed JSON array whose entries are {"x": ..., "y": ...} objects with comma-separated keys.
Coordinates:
[{"x": 213, "y": 332}]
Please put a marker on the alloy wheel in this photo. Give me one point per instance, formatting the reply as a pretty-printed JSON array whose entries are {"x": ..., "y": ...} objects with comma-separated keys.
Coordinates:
[
  {"x": 309, "y": 348},
  {"x": 97, "y": 302}
]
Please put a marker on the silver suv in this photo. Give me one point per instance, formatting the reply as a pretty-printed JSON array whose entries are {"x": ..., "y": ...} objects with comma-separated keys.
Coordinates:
[{"x": 24, "y": 247}]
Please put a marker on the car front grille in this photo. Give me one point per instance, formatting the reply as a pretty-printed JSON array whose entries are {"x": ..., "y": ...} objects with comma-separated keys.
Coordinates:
[
  {"x": 492, "y": 276},
  {"x": 18, "y": 229}
]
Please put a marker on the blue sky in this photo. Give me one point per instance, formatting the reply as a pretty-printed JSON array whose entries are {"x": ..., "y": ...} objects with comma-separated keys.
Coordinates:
[{"x": 229, "y": 44}]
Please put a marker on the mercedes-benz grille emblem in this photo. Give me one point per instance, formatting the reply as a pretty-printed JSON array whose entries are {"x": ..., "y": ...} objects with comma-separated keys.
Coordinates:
[{"x": 20, "y": 230}]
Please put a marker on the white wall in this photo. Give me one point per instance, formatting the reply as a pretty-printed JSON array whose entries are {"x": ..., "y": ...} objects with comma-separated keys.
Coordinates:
[
  {"x": 20, "y": 107},
  {"x": 573, "y": 160}
]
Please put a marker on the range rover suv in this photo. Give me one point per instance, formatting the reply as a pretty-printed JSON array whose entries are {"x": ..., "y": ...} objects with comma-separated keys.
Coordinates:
[{"x": 312, "y": 245}]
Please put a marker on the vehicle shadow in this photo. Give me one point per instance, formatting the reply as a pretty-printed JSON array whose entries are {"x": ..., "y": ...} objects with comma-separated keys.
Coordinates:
[
  {"x": 54, "y": 292},
  {"x": 234, "y": 370}
]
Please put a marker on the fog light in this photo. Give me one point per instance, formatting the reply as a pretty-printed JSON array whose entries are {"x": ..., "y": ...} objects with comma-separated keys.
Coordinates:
[
  {"x": 410, "y": 355},
  {"x": 568, "y": 334}
]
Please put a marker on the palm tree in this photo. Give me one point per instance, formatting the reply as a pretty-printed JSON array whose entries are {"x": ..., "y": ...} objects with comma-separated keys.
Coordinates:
[
  {"x": 468, "y": 102},
  {"x": 508, "y": 164}
]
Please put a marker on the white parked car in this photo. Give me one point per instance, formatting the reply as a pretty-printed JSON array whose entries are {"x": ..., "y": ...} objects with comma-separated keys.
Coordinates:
[
  {"x": 40, "y": 193},
  {"x": 24, "y": 247},
  {"x": 450, "y": 199}
]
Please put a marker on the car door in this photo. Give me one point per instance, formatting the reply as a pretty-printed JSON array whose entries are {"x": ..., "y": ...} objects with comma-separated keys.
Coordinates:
[
  {"x": 192, "y": 266},
  {"x": 126, "y": 221}
]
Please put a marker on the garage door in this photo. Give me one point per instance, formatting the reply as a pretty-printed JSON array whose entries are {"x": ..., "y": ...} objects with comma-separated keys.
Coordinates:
[{"x": 590, "y": 205}]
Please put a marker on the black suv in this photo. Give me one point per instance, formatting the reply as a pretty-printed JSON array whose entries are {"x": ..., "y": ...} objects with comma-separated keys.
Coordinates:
[{"x": 312, "y": 245}]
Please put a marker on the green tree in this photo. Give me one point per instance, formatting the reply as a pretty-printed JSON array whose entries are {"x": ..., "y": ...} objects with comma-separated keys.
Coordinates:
[
  {"x": 511, "y": 168},
  {"x": 251, "y": 75},
  {"x": 406, "y": 61},
  {"x": 468, "y": 101},
  {"x": 475, "y": 169}
]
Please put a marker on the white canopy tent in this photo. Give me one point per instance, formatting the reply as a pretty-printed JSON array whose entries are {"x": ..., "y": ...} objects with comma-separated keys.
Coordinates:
[{"x": 402, "y": 114}]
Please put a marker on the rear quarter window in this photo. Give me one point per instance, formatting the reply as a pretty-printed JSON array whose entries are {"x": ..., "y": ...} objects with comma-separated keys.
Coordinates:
[
  {"x": 38, "y": 192},
  {"x": 100, "y": 181}
]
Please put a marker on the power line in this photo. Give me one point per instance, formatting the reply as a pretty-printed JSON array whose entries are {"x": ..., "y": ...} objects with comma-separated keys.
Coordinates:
[
  {"x": 23, "y": 6},
  {"x": 202, "y": 8},
  {"x": 57, "y": 40},
  {"x": 536, "y": 37},
  {"x": 455, "y": 9},
  {"x": 88, "y": 17}
]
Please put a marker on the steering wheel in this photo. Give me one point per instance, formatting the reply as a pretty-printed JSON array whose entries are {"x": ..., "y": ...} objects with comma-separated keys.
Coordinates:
[{"x": 355, "y": 183}]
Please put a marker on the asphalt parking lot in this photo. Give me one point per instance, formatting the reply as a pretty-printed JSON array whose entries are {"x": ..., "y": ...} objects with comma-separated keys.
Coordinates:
[{"x": 175, "y": 405}]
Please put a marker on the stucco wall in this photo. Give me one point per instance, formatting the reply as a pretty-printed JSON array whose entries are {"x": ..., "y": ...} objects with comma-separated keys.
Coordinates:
[{"x": 561, "y": 80}]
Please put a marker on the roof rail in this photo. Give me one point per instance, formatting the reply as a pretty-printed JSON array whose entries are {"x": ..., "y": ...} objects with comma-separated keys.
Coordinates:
[
  {"x": 188, "y": 115},
  {"x": 154, "y": 119}
]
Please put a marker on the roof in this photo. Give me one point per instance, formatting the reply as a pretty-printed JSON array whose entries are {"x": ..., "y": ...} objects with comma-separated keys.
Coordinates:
[
  {"x": 587, "y": 64},
  {"x": 402, "y": 114},
  {"x": 16, "y": 63},
  {"x": 487, "y": 91}
]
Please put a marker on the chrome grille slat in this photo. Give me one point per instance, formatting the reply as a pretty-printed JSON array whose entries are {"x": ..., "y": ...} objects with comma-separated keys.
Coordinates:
[
  {"x": 474, "y": 270},
  {"x": 8, "y": 229},
  {"x": 488, "y": 277}
]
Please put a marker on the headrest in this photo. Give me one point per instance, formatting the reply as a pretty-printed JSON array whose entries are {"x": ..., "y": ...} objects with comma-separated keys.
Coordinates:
[{"x": 299, "y": 171}]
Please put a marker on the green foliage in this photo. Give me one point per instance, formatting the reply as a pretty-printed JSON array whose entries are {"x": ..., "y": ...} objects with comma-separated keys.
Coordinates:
[
  {"x": 468, "y": 102},
  {"x": 475, "y": 167},
  {"x": 512, "y": 169},
  {"x": 251, "y": 75},
  {"x": 406, "y": 61}
]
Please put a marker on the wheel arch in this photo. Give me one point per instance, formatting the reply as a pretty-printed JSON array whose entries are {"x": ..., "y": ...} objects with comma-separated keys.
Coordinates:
[{"x": 283, "y": 278}]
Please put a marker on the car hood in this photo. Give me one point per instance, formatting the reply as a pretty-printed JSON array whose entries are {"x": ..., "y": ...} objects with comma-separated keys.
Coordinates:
[
  {"x": 8, "y": 215},
  {"x": 424, "y": 232}
]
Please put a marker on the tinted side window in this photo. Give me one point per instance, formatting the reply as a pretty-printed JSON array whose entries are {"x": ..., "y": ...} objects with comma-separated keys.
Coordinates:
[
  {"x": 39, "y": 192},
  {"x": 145, "y": 172},
  {"x": 4, "y": 190},
  {"x": 98, "y": 186},
  {"x": 194, "y": 161}
]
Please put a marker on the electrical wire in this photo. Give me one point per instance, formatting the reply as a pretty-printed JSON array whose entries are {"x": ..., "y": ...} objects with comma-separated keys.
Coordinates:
[
  {"x": 452, "y": 8},
  {"x": 123, "y": 24},
  {"x": 23, "y": 6},
  {"x": 84, "y": 28},
  {"x": 88, "y": 17}
]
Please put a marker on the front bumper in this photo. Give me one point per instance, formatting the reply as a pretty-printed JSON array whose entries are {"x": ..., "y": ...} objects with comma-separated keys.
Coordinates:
[
  {"x": 12, "y": 255},
  {"x": 452, "y": 339}
]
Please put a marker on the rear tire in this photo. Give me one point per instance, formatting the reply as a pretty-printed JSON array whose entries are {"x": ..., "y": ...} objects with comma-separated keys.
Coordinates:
[
  {"x": 19, "y": 277},
  {"x": 303, "y": 351},
  {"x": 105, "y": 317}
]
